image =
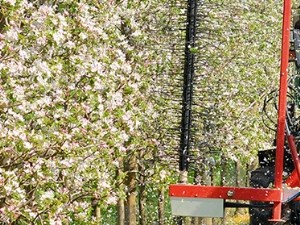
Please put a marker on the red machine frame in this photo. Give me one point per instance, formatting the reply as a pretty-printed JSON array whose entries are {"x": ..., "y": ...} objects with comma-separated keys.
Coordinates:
[{"x": 277, "y": 195}]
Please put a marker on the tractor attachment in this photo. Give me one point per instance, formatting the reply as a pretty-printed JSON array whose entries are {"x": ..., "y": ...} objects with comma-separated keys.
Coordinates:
[{"x": 271, "y": 191}]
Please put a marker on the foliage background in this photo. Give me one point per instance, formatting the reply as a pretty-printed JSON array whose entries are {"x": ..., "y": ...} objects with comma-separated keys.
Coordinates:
[{"x": 90, "y": 104}]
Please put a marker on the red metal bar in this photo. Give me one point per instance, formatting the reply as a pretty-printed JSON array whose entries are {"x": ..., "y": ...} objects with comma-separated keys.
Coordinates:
[
  {"x": 234, "y": 193},
  {"x": 293, "y": 180},
  {"x": 293, "y": 148},
  {"x": 282, "y": 105}
]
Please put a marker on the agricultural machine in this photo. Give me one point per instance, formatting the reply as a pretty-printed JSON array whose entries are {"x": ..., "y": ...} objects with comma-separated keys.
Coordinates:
[{"x": 274, "y": 195}]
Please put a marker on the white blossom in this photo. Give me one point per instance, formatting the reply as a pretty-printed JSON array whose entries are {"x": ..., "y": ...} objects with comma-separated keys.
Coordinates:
[
  {"x": 12, "y": 34},
  {"x": 59, "y": 36},
  {"x": 11, "y": 2},
  {"x": 47, "y": 195}
]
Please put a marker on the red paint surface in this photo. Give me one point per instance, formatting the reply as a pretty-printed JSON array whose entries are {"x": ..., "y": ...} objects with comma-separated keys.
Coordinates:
[
  {"x": 251, "y": 194},
  {"x": 285, "y": 50}
]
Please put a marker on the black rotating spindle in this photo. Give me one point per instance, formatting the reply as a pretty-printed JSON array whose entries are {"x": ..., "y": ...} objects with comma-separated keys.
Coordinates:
[{"x": 187, "y": 95}]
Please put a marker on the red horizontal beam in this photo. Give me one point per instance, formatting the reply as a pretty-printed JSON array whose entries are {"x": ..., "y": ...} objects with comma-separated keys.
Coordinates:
[{"x": 234, "y": 193}]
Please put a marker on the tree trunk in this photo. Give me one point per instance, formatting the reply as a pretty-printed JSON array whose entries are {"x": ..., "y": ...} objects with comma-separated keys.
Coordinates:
[
  {"x": 223, "y": 176},
  {"x": 2, "y": 22},
  {"x": 212, "y": 183},
  {"x": 142, "y": 204},
  {"x": 197, "y": 179},
  {"x": 121, "y": 206},
  {"x": 121, "y": 212},
  {"x": 98, "y": 214},
  {"x": 161, "y": 206},
  {"x": 130, "y": 204},
  {"x": 207, "y": 180},
  {"x": 130, "y": 209},
  {"x": 239, "y": 183},
  {"x": 96, "y": 210},
  {"x": 183, "y": 178}
]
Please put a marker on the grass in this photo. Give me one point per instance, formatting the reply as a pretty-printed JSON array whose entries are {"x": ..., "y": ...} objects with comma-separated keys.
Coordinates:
[{"x": 242, "y": 219}]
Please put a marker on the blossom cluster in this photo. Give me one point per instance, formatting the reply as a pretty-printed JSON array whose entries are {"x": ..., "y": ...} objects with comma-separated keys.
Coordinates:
[{"x": 74, "y": 98}]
